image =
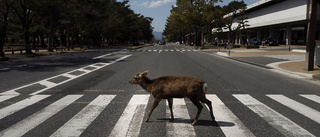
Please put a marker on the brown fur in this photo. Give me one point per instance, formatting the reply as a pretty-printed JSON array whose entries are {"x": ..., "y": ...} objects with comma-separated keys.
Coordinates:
[{"x": 170, "y": 87}]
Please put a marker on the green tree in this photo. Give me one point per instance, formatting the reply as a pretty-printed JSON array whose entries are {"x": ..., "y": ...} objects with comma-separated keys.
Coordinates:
[
  {"x": 5, "y": 6},
  {"x": 234, "y": 10},
  {"x": 195, "y": 15},
  {"x": 26, "y": 10}
]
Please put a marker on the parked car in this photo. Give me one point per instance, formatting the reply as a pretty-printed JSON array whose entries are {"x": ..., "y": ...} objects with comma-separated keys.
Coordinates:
[
  {"x": 269, "y": 42},
  {"x": 162, "y": 43},
  {"x": 254, "y": 42}
]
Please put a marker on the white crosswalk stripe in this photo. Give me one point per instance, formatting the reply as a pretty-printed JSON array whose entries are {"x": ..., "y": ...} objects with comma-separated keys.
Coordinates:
[
  {"x": 283, "y": 124},
  {"x": 6, "y": 97},
  {"x": 163, "y": 50},
  {"x": 300, "y": 108},
  {"x": 314, "y": 98},
  {"x": 20, "y": 105},
  {"x": 223, "y": 113},
  {"x": 130, "y": 121},
  {"x": 76, "y": 125},
  {"x": 124, "y": 126},
  {"x": 32, "y": 121},
  {"x": 179, "y": 129}
]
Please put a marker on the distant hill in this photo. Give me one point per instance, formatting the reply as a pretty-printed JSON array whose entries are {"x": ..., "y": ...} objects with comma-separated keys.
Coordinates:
[{"x": 157, "y": 35}]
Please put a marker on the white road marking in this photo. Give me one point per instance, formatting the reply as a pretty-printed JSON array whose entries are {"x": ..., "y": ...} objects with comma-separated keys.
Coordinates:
[
  {"x": 20, "y": 105},
  {"x": 129, "y": 123},
  {"x": 77, "y": 124},
  {"x": 224, "y": 114},
  {"x": 314, "y": 98},
  {"x": 278, "y": 121},
  {"x": 37, "y": 118},
  {"x": 296, "y": 106},
  {"x": 49, "y": 84},
  {"x": 2, "y": 69},
  {"x": 102, "y": 56},
  {"x": 6, "y": 97},
  {"x": 178, "y": 128}
]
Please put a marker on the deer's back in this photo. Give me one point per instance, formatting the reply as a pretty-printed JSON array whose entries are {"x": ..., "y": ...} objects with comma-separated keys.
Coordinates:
[{"x": 177, "y": 86}]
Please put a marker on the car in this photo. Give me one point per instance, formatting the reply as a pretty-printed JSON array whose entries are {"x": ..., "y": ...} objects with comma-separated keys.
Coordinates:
[
  {"x": 254, "y": 42},
  {"x": 269, "y": 42},
  {"x": 162, "y": 43}
]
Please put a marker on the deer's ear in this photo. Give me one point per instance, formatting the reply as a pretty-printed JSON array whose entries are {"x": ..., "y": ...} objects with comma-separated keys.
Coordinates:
[{"x": 145, "y": 73}]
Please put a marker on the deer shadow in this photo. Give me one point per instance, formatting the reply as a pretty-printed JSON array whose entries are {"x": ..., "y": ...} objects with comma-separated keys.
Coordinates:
[{"x": 199, "y": 123}]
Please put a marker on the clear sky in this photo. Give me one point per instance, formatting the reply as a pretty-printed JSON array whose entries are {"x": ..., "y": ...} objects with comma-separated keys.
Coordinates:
[{"x": 159, "y": 10}]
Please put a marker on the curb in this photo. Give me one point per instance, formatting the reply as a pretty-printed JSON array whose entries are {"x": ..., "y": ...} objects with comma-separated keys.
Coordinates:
[
  {"x": 275, "y": 65},
  {"x": 222, "y": 54},
  {"x": 316, "y": 76}
]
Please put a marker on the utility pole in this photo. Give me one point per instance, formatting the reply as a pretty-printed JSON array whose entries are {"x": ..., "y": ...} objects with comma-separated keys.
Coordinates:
[{"x": 311, "y": 32}]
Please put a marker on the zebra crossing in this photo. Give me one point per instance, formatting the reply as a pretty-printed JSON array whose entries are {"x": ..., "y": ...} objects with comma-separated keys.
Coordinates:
[
  {"x": 129, "y": 123},
  {"x": 163, "y": 50}
]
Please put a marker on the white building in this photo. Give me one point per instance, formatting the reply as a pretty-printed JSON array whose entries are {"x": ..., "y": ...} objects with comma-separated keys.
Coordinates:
[{"x": 282, "y": 20}]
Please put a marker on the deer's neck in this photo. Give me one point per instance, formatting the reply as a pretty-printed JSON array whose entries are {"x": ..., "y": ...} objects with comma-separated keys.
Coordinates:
[{"x": 146, "y": 84}]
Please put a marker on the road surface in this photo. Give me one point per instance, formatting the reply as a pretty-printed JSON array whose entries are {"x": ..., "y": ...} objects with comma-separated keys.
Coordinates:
[{"x": 88, "y": 94}]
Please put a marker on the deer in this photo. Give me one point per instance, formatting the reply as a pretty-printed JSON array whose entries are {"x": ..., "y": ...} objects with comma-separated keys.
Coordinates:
[{"x": 169, "y": 87}]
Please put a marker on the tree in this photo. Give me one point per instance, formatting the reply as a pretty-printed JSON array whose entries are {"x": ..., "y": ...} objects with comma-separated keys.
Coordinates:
[
  {"x": 5, "y": 6},
  {"x": 79, "y": 22},
  {"x": 234, "y": 10},
  {"x": 194, "y": 15},
  {"x": 26, "y": 10}
]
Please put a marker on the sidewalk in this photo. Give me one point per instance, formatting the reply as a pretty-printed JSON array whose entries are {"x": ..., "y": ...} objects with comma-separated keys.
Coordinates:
[{"x": 294, "y": 64}]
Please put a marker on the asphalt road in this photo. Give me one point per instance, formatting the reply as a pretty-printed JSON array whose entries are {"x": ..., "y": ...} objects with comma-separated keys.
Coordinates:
[{"x": 88, "y": 94}]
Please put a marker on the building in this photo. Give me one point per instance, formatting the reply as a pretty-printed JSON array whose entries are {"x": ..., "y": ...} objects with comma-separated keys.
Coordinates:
[{"x": 283, "y": 20}]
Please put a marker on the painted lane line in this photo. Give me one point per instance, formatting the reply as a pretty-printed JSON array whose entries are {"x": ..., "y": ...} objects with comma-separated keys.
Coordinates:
[
  {"x": 69, "y": 74},
  {"x": 83, "y": 70},
  {"x": 314, "y": 98},
  {"x": 176, "y": 128},
  {"x": 6, "y": 97},
  {"x": 119, "y": 59},
  {"x": 77, "y": 124},
  {"x": 275, "y": 119},
  {"x": 39, "y": 117},
  {"x": 130, "y": 122},
  {"x": 20, "y": 105},
  {"x": 224, "y": 114},
  {"x": 47, "y": 83},
  {"x": 160, "y": 50},
  {"x": 3, "y": 69},
  {"x": 298, "y": 107},
  {"x": 102, "y": 56}
]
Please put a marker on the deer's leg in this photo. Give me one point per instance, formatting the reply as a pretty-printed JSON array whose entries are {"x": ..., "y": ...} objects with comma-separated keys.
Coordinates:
[
  {"x": 208, "y": 102},
  {"x": 197, "y": 103},
  {"x": 154, "y": 105},
  {"x": 170, "y": 100}
]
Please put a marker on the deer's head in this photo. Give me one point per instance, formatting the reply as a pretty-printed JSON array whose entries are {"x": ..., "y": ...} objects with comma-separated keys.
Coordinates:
[{"x": 138, "y": 78}]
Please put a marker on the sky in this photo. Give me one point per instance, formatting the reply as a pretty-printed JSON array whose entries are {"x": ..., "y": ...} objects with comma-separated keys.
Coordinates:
[{"x": 159, "y": 10}]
